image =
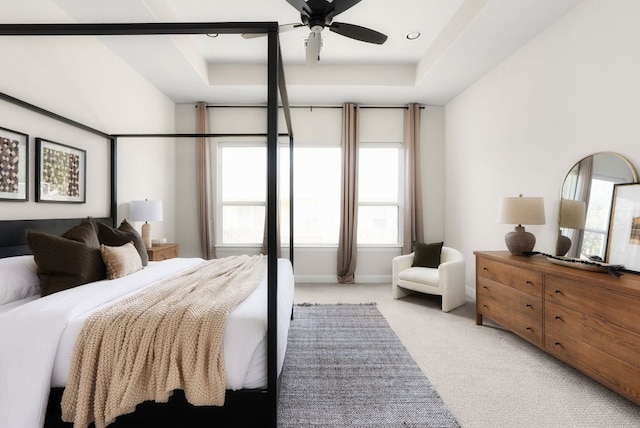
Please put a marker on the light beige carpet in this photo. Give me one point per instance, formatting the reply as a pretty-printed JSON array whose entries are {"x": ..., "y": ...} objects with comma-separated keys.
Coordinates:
[{"x": 487, "y": 376}]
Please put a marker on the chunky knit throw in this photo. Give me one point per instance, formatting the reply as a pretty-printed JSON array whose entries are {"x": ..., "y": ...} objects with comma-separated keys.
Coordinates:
[{"x": 164, "y": 338}]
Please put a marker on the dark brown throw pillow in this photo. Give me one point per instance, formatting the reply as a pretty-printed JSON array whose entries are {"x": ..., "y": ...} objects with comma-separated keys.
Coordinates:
[
  {"x": 427, "y": 255},
  {"x": 64, "y": 263},
  {"x": 85, "y": 232},
  {"x": 107, "y": 235}
]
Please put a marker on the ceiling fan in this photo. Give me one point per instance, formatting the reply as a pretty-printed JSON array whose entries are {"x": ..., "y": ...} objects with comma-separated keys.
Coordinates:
[{"x": 318, "y": 14}]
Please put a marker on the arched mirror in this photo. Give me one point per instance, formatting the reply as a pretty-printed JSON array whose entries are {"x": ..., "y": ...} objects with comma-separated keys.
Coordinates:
[{"x": 585, "y": 204}]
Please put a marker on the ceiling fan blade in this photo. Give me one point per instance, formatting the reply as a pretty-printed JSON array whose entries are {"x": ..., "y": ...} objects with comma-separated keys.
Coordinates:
[
  {"x": 288, "y": 27},
  {"x": 340, "y": 6},
  {"x": 300, "y": 6},
  {"x": 314, "y": 42},
  {"x": 281, "y": 29},
  {"x": 357, "y": 32}
]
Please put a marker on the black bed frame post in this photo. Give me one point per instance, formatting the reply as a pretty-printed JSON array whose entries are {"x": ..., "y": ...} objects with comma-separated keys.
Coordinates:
[
  {"x": 272, "y": 226},
  {"x": 114, "y": 180}
]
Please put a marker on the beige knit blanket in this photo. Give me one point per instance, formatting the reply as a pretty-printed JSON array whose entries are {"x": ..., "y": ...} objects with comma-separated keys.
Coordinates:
[{"x": 167, "y": 337}]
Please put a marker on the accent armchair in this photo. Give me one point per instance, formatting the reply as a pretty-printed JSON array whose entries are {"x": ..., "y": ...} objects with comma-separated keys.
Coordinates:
[{"x": 447, "y": 280}]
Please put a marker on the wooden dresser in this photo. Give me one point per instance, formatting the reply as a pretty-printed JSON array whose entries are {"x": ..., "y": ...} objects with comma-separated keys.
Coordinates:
[{"x": 590, "y": 320}]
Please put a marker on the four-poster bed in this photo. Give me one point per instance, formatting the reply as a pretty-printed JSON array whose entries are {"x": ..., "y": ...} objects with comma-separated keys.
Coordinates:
[{"x": 254, "y": 404}]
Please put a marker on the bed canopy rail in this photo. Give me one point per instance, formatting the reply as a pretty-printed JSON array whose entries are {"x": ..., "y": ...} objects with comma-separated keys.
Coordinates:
[{"x": 276, "y": 87}]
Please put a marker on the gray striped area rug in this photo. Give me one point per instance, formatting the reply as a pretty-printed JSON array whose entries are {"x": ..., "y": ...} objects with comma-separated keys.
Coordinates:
[{"x": 345, "y": 367}]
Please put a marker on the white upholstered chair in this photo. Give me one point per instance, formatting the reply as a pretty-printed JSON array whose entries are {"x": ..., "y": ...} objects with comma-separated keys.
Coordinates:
[{"x": 447, "y": 280}]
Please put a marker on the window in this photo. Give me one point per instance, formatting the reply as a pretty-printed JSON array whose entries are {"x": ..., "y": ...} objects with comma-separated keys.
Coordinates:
[
  {"x": 242, "y": 194},
  {"x": 242, "y": 188},
  {"x": 316, "y": 187},
  {"x": 597, "y": 226},
  {"x": 379, "y": 194}
]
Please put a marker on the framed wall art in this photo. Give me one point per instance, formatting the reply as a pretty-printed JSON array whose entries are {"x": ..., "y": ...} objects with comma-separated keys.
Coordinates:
[
  {"x": 14, "y": 165},
  {"x": 623, "y": 246},
  {"x": 60, "y": 172}
]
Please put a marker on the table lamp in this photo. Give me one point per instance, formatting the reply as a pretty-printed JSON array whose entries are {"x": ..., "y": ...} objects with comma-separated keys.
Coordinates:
[
  {"x": 146, "y": 211},
  {"x": 519, "y": 211}
]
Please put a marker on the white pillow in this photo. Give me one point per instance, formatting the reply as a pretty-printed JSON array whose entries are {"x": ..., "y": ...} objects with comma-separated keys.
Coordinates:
[{"x": 18, "y": 278}]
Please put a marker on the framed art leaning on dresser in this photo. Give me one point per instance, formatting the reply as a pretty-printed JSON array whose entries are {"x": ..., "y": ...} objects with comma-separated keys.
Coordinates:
[{"x": 623, "y": 246}]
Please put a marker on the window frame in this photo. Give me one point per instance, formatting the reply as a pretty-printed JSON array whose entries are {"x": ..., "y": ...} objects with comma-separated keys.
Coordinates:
[
  {"x": 399, "y": 203},
  {"x": 217, "y": 159}
]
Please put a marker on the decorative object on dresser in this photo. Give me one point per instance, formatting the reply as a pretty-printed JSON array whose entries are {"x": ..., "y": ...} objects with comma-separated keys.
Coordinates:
[
  {"x": 519, "y": 211},
  {"x": 584, "y": 318},
  {"x": 592, "y": 181},
  {"x": 157, "y": 253},
  {"x": 431, "y": 269},
  {"x": 623, "y": 244},
  {"x": 572, "y": 216},
  {"x": 146, "y": 211}
]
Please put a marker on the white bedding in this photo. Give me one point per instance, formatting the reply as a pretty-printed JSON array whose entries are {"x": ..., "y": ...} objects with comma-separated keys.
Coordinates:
[{"x": 37, "y": 336}]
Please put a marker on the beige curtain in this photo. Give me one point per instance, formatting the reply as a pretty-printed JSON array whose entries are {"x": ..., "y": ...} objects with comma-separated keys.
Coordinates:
[
  {"x": 205, "y": 204},
  {"x": 347, "y": 242},
  {"x": 413, "y": 227}
]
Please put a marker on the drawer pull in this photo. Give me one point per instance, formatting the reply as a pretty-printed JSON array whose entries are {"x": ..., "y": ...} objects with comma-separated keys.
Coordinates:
[
  {"x": 485, "y": 269},
  {"x": 556, "y": 343},
  {"x": 557, "y": 291},
  {"x": 557, "y": 317},
  {"x": 529, "y": 306},
  {"x": 485, "y": 287},
  {"x": 485, "y": 306},
  {"x": 530, "y": 329},
  {"x": 529, "y": 283}
]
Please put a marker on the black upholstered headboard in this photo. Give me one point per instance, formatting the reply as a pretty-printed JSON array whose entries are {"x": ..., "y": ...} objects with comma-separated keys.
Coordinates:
[{"x": 12, "y": 232}]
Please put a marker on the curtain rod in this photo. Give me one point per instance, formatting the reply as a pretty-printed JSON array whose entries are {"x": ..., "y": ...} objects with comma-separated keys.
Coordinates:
[
  {"x": 194, "y": 135},
  {"x": 310, "y": 107}
]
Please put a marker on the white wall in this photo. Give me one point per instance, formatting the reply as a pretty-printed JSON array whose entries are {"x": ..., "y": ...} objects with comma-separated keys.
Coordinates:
[
  {"x": 81, "y": 79},
  {"x": 313, "y": 126},
  {"x": 570, "y": 92}
]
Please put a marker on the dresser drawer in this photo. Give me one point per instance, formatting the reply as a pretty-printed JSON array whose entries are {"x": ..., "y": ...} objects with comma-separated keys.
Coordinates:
[
  {"x": 614, "y": 373},
  {"x": 514, "y": 299},
  {"x": 525, "y": 280},
  {"x": 614, "y": 340},
  {"x": 615, "y": 308},
  {"x": 511, "y": 311}
]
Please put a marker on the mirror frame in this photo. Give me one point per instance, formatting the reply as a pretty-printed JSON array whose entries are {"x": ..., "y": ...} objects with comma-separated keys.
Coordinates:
[{"x": 634, "y": 175}]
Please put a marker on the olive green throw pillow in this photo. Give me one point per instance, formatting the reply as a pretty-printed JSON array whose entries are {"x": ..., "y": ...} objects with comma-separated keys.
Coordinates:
[{"x": 427, "y": 255}]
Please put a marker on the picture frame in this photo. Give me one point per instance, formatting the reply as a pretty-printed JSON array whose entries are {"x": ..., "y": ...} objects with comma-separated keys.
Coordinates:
[
  {"x": 14, "y": 165},
  {"x": 623, "y": 242},
  {"x": 61, "y": 172}
]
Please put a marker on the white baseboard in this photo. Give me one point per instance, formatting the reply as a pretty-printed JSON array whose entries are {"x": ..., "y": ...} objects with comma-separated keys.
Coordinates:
[
  {"x": 327, "y": 279},
  {"x": 470, "y": 292}
]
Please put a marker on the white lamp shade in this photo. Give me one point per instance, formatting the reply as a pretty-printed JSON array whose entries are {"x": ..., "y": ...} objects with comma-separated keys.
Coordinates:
[
  {"x": 521, "y": 210},
  {"x": 146, "y": 210},
  {"x": 572, "y": 214}
]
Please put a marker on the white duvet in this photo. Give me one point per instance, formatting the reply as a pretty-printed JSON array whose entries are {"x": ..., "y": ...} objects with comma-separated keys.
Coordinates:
[{"x": 37, "y": 336}]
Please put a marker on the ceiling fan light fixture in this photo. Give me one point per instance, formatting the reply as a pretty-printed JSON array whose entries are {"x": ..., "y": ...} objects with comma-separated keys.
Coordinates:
[{"x": 413, "y": 35}]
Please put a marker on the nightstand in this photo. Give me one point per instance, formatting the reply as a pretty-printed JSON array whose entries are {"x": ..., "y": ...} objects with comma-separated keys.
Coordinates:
[{"x": 158, "y": 253}]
